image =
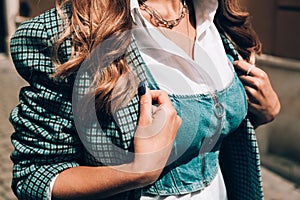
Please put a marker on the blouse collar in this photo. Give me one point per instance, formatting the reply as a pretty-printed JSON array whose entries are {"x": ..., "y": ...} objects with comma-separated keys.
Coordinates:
[{"x": 205, "y": 11}]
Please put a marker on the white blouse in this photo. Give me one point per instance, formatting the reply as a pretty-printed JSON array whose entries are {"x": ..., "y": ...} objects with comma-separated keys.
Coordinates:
[
  {"x": 170, "y": 65},
  {"x": 176, "y": 73}
]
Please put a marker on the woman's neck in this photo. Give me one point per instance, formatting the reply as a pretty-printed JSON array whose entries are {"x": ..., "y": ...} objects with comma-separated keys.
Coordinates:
[{"x": 169, "y": 9}]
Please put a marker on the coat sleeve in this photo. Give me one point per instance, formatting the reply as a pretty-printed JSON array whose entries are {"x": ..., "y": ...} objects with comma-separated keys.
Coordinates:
[{"x": 45, "y": 138}]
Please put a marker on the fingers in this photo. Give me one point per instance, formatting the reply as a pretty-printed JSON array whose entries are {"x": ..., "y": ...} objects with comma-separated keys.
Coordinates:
[
  {"x": 161, "y": 98},
  {"x": 157, "y": 129},
  {"x": 251, "y": 75},
  {"x": 145, "y": 118},
  {"x": 262, "y": 99},
  {"x": 159, "y": 120},
  {"x": 253, "y": 96},
  {"x": 252, "y": 82},
  {"x": 244, "y": 67},
  {"x": 165, "y": 105},
  {"x": 149, "y": 112},
  {"x": 248, "y": 69}
]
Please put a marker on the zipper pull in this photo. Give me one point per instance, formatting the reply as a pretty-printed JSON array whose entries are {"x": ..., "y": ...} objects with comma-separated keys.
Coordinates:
[{"x": 218, "y": 106}]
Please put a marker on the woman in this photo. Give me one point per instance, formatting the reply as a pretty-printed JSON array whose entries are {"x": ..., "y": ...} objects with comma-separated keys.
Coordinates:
[{"x": 192, "y": 140}]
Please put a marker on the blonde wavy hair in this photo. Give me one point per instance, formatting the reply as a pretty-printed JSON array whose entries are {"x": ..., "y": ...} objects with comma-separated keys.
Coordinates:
[{"x": 94, "y": 21}]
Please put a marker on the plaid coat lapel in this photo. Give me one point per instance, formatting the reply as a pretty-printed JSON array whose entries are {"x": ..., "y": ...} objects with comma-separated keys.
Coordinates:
[
  {"x": 239, "y": 155},
  {"x": 127, "y": 117},
  {"x": 112, "y": 133}
]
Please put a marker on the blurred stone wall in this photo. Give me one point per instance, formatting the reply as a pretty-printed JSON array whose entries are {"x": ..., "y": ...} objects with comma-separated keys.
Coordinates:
[
  {"x": 14, "y": 12},
  {"x": 2, "y": 30},
  {"x": 277, "y": 24},
  {"x": 279, "y": 140},
  {"x": 32, "y": 8}
]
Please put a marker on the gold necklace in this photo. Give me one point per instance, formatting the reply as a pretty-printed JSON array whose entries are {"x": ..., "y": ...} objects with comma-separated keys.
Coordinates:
[
  {"x": 159, "y": 20},
  {"x": 184, "y": 42}
]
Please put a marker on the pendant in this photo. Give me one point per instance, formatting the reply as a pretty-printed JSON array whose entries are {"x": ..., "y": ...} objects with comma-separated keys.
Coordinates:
[{"x": 171, "y": 26}]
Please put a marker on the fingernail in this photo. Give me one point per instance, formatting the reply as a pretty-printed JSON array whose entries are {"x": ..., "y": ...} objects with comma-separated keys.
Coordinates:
[{"x": 142, "y": 88}]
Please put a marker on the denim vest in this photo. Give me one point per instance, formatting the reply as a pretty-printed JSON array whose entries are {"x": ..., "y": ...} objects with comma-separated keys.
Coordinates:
[
  {"x": 193, "y": 163},
  {"x": 206, "y": 120}
]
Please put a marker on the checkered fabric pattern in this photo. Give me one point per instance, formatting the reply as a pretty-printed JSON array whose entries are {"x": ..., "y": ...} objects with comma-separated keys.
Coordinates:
[
  {"x": 240, "y": 164},
  {"x": 239, "y": 155},
  {"x": 46, "y": 140}
]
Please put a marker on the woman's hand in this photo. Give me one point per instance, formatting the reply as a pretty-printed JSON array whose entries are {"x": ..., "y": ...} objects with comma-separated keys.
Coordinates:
[
  {"x": 263, "y": 102},
  {"x": 157, "y": 129}
]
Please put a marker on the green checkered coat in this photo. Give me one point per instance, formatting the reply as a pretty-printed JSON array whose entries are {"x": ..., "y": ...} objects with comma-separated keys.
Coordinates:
[{"x": 46, "y": 141}]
